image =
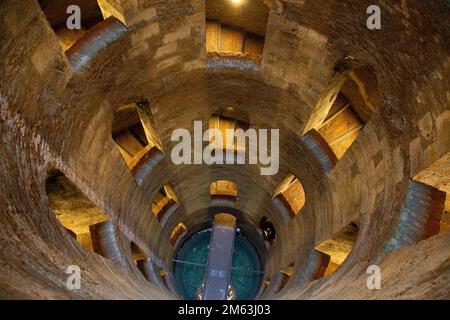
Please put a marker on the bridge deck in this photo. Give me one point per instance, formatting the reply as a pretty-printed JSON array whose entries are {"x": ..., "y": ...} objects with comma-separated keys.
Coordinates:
[{"x": 221, "y": 250}]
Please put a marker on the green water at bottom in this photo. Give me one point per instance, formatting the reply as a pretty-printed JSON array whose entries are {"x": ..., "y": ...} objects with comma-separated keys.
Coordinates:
[{"x": 245, "y": 276}]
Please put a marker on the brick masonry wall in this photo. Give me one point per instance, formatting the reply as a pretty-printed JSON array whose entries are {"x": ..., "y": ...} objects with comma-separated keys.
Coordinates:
[{"x": 53, "y": 117}]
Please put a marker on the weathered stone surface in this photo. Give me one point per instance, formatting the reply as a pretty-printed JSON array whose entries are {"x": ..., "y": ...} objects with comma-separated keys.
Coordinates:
[{"x": 52, "y": 117}]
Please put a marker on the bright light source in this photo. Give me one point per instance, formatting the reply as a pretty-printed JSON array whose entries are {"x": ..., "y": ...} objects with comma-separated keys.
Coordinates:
[{"x": 236, "y": 1}]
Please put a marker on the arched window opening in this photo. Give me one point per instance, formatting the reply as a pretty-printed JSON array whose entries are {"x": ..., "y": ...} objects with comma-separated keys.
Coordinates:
[
  {"x": 320, "y": 149},
  {"x": 346, "y": 106},
  {"x": 178, "y": 232},
  {"x": 149, "y": 270},
  {"x": 223, "y": 189},
  {"x": 112, "y": 8},
  {"x": 341, "y": 126},
  {"x": 289, "y": 197},
  {"x": 137, "y": 253},
  {"x": 142, "y": 261},
  {"x": 135, "y": 136},
  {"x": 338, "y": 247},
  {"x": 92, "y": 13},
  {"x": 164, "y": 204},
  {"x": 129, "y": 133},
  {"x": 167, "y": 280},
  {"x": 284, "y": 277},
  {"x": 266, "y": 284},
  {"x": 163, "y": 274},
  {"x": 437, "y": 176},
  {"x": 73, "y": 209},
  {"x": 230, "y": 34},
  {"x": 263, "y": 290},
  {"x": 223, "y": 39},
  {"x": 228, "y": 119},
  {"x": 105, "y": 242},
  {"x": 320, "y": 262},
  {"x": 314, "y": 268}
]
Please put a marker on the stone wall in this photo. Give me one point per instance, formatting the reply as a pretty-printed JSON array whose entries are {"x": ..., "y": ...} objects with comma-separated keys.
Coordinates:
[{"x": 53, "y": 117}]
